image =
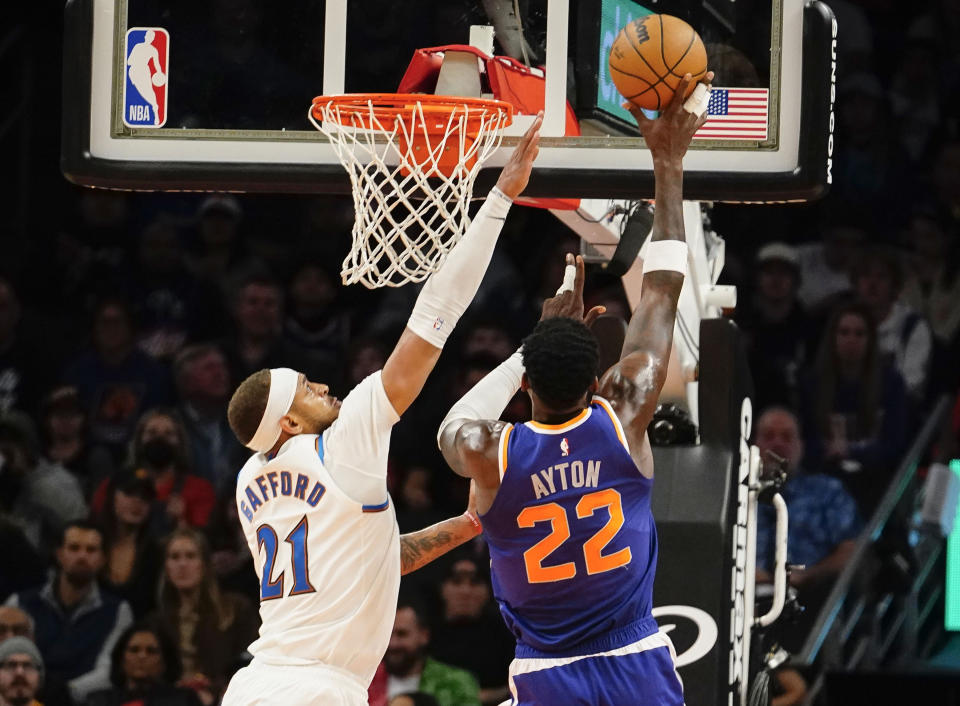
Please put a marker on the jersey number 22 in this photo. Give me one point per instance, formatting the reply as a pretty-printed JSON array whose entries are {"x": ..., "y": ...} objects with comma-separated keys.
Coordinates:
[{"x": 597, "y": 562}]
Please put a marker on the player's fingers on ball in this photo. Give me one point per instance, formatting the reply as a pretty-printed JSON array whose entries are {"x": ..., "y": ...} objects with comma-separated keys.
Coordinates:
[
  {"x": 707, "y": 78},
  {"x": 680, "y": 95}
]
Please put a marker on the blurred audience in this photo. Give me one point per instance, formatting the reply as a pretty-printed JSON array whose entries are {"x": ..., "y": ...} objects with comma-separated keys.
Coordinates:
[
  {"x": 211, "y": 627},
  {"x": 903, "y": 335},
  {"x": 63, "y": 423},
  {"x": 470, "y": 632},
  {"x": 407, "y": 667},
  {"x": 854, "y": 406},
  {"x": 76, "y": 624},
  {"x": 825, "y": 266},
  {"x": 160, "y": 447},
  {"x": 22, "y": 373},
  {"x": 132, "y": 554},
  {"x": 21, "y": 672},
  {"x": 777, "y": 330},
  {"x": 824, "y": 521},
  {"x": 258, "y": 341},
  {"x": 116, "y": 381},
  {"x": 144, "y": 671},
  {"x": 204, "y": 387},
  {"x": 39, "y": 496}
]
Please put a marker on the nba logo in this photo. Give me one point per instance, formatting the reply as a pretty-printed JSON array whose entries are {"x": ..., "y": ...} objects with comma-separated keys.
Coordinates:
[
  {"x": 146, "y": 68},
  {"x": 564, "y": 447}
]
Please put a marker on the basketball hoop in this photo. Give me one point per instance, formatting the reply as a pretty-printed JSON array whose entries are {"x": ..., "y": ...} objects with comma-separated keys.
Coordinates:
[{"x": 409, "y": 215}]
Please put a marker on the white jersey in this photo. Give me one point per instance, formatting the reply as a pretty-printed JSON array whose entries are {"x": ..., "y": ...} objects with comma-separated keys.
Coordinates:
[{"x": 329, "y": 565}]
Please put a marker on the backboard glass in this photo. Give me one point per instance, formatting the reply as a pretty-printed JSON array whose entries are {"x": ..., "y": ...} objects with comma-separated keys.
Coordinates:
[{"x": 228, "y": 111}]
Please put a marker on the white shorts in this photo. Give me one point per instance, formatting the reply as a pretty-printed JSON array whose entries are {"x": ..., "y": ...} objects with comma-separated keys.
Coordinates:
[{"x": 280, "y": 685}]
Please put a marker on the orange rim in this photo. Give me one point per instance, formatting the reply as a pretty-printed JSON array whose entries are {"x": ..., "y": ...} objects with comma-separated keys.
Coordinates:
[{"x": 387, "y": 108}]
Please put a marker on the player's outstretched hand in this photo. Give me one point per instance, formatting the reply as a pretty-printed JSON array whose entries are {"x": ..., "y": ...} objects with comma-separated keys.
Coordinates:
[
  {"x": 516, "y": 172},
  {"x": 669, "y": 135},
  {"x": 569, "y": 298}
]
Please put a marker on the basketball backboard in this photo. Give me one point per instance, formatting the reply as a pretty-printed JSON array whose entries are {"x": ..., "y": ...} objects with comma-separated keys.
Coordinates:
[{"x": 229, "y": 84}]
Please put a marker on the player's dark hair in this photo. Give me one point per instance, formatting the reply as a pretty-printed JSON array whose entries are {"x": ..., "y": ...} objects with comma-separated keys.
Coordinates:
[
  {"x": 561, "y": 357},
  {"x": 248, "y": 404}
]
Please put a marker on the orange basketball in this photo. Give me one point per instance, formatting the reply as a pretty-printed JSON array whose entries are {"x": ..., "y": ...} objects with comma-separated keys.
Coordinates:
[{"x": 651, "y": 55}]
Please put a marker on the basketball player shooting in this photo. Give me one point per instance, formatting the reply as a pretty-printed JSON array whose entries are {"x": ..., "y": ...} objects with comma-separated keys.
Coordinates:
[
  {"x": 313, "y": 498},
  {"x": 565, "y": 498}
]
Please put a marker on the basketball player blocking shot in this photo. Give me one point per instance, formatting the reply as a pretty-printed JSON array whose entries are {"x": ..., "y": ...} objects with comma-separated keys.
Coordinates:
[
  {"x": 313, "y": 498},
  {"x": 565, "y": 498}
]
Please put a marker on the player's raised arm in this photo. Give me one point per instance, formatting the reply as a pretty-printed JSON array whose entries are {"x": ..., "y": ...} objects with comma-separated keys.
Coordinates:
[
  {"x": 449, "y": 291},
  {"x": 423, "y": 546},
  {"x": 633, "y": 385},
  {"x": 469, "y": 434}
]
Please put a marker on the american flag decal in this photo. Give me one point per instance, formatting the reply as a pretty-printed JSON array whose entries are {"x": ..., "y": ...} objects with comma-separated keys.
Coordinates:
[{"x": 736, "y": 114}]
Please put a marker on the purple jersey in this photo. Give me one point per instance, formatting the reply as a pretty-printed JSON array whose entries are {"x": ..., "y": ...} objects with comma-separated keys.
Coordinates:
[{"x": 572, "y": 540}]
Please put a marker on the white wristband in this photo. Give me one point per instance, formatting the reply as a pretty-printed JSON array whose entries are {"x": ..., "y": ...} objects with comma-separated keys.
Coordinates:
[{"x": 666, "y": 255}]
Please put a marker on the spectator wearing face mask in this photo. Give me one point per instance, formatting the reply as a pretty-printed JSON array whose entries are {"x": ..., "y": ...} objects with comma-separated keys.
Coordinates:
[{"x": 160, "y": 448}]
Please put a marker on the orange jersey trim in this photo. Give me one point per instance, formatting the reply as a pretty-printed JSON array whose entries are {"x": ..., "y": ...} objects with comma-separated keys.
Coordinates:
[{"x": 556, "y": 427}]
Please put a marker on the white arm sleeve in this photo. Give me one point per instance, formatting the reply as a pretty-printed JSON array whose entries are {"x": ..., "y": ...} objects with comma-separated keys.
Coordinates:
[
  {"x": 356, "y": 446},
  {"x": 449, "y": 291},
  {"x": 488, "y": 398}
]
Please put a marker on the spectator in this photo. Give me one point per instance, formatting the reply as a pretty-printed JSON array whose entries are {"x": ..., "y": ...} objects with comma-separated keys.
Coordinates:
[
  {"x": 470, "y": 633},
  {"x": 825, "y": 266},
  {"x": 257, "y": 309},
  {"x": 21, "y": 672},
  {"x": 868, "y": 162},
  {"x": 488, "y": 336},
  {"x": 220, "y": 250},
  {"x": 161, "y": 448},
  {"x": 116, "y": 381},
  {"x": 316, "y": 320},
  {"x": 175, "y": 305},
  {"x": 64, "y": 430},
  {"x": 133, "y": 557},
  {"x": 145, "y": 667},
  {"x": 903, "y": 336},
  {"x": 854, "y": 407},
  {"x": 416, "y": 500},
  {"x": 231, "y": 558},
  {"x": 76, "y": 623},
  {"x": 39, "y": 496},
  {"x": 21, "y": 369},
  {"x": 203, "y": 384},
  {"x": 364, "y": 357},
  {"x": 824, "y": 522},
  {"x": 778, "y": 330},
  {"x": 14, "y": 623},
  {"x": 932, "y": 288},
  {"x": 212, "y": 628},
  {"x": 409, "y": 669}
]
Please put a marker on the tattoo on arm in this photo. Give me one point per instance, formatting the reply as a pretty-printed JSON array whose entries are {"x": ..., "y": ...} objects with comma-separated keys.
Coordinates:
[{"x": 420, "y": 548}]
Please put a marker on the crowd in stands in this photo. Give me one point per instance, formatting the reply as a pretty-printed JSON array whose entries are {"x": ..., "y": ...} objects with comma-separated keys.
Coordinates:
[{"x": 125, "y": 327}]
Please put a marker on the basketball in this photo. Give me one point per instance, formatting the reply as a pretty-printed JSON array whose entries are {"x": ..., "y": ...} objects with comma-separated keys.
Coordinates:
[
  {"x": 651, "y": 55},
  {"x": 159, "y": 79}
]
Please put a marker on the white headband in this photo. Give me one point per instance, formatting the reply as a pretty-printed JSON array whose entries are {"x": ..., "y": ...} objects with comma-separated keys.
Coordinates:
[{"x": 283, "y": 386}]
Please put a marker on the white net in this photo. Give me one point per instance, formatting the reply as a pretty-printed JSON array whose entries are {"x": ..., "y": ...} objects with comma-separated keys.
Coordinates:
[{"x": 412, "y": 173}]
